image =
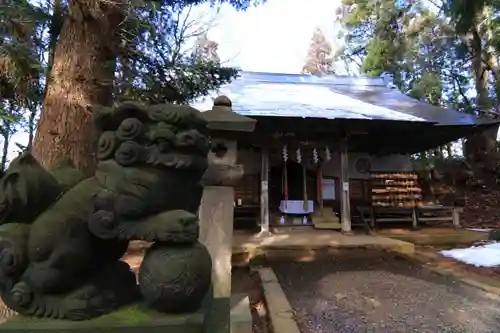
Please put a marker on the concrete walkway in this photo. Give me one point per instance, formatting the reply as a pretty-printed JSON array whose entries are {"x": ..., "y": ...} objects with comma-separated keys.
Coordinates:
[{"x": 316, "y": 240}]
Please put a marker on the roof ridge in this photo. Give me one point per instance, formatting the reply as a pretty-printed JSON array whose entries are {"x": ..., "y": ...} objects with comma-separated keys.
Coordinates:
[{"x": 263, "y": 77}]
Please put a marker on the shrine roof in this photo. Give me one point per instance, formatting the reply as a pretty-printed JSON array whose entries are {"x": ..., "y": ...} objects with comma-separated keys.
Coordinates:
[{"x": 257, "y": 94}]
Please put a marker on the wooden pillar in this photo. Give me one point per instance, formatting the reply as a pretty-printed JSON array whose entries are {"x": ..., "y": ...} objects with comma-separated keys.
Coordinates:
[
  {"x": 264, "y": 191},
  {"x": 345, "y": 205},
  {"x": 456, "y": 216},
  {"x": 414, "y": 218}
]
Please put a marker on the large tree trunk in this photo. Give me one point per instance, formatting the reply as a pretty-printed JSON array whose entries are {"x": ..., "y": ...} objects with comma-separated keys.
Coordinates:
[
  {"x": 480, "y": 149},
  {"x": 81, "y": 79},
  {"x": 5, "y": 149}
]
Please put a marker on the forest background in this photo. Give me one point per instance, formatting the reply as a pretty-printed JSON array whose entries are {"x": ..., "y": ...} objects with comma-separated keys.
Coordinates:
[{"x": 61, "y": 59}]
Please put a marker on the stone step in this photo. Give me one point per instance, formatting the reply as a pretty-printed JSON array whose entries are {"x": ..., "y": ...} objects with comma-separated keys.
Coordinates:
[{"x": 327, "y": 225}]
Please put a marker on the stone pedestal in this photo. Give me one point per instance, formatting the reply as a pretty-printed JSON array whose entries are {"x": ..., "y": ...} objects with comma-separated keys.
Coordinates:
[
  {"x": 216, "y": 228},
  {"x": 132, "y": 319},
  {"x": 216, "y": 233},
  {"x": 241, "y": 316}
]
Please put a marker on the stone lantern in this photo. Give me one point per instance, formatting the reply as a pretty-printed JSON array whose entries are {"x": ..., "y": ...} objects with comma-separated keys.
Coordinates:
[
  {"x": 224, "y": 126},
  {"x": 217, "y": 205}
]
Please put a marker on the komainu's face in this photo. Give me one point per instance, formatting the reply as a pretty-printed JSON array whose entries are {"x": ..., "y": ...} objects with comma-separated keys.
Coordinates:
[
  {"x": 152, "y": 158},
  {"x": 167, "y": 135}
]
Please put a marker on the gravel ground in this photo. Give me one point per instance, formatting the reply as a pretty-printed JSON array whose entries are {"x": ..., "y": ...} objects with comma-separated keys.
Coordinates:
[{"x": 368, "y": 291}]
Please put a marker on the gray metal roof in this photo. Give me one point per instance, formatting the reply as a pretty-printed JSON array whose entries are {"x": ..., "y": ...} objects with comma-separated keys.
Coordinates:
[
  {"x": 330, "y": 97},
  {"x": 395, "y": 100}
]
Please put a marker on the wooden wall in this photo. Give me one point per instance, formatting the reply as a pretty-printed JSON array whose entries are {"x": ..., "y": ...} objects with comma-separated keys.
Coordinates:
[{"x": 250, "y": 159}]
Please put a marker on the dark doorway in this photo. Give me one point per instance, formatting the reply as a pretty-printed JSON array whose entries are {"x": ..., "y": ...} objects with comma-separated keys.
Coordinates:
[{"x": 295, "y": 183}]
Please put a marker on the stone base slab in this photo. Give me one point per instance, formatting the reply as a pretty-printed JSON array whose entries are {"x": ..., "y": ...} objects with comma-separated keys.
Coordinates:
[
  {"x": 137, "y": 318},
  {"x": 241, "y": 317}
]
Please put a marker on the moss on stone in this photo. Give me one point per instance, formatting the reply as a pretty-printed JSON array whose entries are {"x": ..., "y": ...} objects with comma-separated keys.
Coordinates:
[
  {"x": 130, "y": 318},
  {"x": 134, "y": 314}
]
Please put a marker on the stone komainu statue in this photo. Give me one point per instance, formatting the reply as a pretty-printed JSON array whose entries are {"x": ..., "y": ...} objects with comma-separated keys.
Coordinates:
[{"x": 61, "y": 235}]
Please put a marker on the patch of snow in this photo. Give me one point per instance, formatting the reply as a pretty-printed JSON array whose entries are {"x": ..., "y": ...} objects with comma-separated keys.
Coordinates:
[
  {"x": 479, "y": 229},
  {"x": 480, "y": 256}
]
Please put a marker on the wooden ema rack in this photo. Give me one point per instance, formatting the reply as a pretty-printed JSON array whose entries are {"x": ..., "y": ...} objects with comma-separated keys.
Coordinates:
[{"x": 395, "y": 189}]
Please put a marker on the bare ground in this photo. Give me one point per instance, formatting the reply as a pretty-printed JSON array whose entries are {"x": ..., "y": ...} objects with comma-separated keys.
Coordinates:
[
  {"x": 482, "y": 209},
  {"x": 431, "y": 257},
  {"x": 5, "y": 313},
  {"x": 369, "y": 291}
]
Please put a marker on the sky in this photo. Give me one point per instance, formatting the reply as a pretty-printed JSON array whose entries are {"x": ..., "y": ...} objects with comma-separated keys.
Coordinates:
[{"x": 273, "y": 37}]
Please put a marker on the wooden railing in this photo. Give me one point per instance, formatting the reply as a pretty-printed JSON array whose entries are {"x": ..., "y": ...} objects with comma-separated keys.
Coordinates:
[{"x": 373, "y": 216}]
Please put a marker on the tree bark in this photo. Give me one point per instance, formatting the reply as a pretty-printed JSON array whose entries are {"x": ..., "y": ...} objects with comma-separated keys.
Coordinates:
[
  {"x": 5, "y": 148},
  {"x": 449, "y": 150},
  {"x": 480, "y": 149},
  {"x": 81, "y": 79}
]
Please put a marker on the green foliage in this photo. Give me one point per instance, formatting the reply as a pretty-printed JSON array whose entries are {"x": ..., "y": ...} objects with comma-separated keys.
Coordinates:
[
  {"x": 155, "y": 67},
  {"x": 444, "y": 53},
  {"x": 152, "y": 63},
  {"x": 419, "y": 46},
  {"x": 465, "y": 13},
  {"x": 428, "y": 87},
  {"x": 19, "y": 62},
  {"x": 150, "y": 38}
]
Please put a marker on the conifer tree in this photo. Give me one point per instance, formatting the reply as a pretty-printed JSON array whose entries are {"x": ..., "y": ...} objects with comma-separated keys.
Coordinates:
[{"x": 320, "y": 57}]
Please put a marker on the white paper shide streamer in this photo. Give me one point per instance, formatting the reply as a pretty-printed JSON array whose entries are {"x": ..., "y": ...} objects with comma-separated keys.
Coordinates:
[
  {"x": 328, "y": 155},
  {"x": 299, "y": 156},
  {"x": 315, "y": 156},
  {"x": 285, "y": 153}
]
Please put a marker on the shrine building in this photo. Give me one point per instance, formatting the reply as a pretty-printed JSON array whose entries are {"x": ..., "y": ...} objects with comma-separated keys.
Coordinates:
[{"x": 329, "y": 150}]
